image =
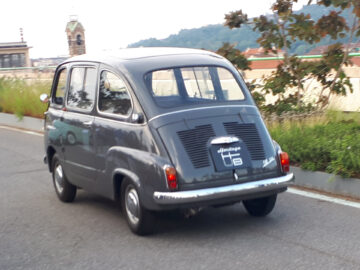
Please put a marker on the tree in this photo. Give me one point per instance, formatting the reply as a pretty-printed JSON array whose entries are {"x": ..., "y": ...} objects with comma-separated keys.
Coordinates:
[
  {"x": 234, "y": 56},
  {"x": 280, "y": 31}
]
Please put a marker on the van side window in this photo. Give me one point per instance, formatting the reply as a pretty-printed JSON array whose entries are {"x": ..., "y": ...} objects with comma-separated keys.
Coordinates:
[
  {"x": 60, "y": 88},
  {"x": 82, "y": 88},
  {"x": 114, "y": 97}
]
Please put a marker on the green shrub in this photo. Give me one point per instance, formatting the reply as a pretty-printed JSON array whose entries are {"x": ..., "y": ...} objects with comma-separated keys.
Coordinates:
[
  {"x": 331, "y": 145},
  {"x": 21, "y": 98}
]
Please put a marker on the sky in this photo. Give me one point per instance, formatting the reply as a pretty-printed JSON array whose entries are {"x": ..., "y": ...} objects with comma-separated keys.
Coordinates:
[{"x": 111, "y": 24}]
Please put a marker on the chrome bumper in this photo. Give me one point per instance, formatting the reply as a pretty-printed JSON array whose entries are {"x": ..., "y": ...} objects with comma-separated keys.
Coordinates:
[{"x": 249, "y": 188}]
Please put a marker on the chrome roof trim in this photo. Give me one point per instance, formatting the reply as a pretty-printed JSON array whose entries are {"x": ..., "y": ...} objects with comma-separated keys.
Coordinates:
[{"x": 201, "y": 108}]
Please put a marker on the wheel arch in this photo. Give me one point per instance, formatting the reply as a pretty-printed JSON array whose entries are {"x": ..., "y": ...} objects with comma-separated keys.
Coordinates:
[
  {"x": 118, "y": 177},
  {"x": 50, "y": 152}
]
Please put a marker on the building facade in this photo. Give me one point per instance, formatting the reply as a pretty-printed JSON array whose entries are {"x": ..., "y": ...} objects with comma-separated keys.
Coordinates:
[{"x": 14, "y": 54}]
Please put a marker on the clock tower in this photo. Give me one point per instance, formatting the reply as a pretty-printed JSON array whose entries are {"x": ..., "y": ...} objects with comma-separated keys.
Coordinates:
[{"x": 76, "y": 36}]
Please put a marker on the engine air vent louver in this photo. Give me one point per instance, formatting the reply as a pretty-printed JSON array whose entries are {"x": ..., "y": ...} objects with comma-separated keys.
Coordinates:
[
  {"x": 249, "y": 134},
  {"x": 194, "y": 141}
]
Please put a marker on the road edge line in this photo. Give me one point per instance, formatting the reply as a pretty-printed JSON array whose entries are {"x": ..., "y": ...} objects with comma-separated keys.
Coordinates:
[
  {"x": 22, "y": 130},
  {"x": 322, "y": 197}
]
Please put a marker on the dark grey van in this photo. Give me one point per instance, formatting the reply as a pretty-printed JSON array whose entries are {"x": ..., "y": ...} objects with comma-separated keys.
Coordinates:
[{"x": 160, "y": 129}]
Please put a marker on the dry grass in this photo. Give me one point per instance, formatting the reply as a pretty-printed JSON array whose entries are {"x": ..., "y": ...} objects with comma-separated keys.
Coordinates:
[{"x": 22, "y": 98}]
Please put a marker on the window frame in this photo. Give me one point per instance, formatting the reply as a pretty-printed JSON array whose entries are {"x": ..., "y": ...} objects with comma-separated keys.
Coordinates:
[
  {"x": 56, "y": 84},
  {"x": 128, "y": 89},
  {"x": 77, "y": 109}
]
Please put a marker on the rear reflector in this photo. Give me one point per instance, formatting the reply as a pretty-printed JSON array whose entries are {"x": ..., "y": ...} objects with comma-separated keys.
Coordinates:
[
  {"x": 171, "y": 177},
  {"x": 285, "y": 162}
]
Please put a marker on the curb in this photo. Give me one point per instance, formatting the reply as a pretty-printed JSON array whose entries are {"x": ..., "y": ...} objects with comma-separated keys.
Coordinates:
[
  {"x": 29, "y": 123},
  {"x": 330, "y": 183},
  {"x": 320, "y": 181}
]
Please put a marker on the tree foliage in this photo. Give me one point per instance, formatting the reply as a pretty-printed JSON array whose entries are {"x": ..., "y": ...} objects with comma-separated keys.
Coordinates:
[
  {"x": 234, "y": 56},
  {"x": 283, "y": 29}
]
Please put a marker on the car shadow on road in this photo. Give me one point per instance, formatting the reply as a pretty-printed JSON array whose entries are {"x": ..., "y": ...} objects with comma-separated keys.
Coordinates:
[{"x": 217, "y": 222}]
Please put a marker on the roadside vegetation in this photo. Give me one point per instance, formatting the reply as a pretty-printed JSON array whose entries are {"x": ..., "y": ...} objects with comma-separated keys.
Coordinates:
[
  {"x": 328, "y": 142},
  {"x": 280, "y": 32},
  {"x": 21, "y": 98},
  {"x": 324, "y": 141}
]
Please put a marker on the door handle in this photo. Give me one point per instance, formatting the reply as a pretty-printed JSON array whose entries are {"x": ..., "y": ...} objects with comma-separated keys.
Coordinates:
[{"x": 88, "y": 123}]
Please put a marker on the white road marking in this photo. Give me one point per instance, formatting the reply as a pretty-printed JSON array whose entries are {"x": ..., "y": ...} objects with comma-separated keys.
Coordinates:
[
  {"x": 22, "y": 131},
  {"x": 321, "y": 197}
]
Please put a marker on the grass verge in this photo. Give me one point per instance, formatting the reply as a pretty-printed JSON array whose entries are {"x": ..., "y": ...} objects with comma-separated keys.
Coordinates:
[
  {"x": 21, "y": 98},
  {"x": 329, "y": 143}
]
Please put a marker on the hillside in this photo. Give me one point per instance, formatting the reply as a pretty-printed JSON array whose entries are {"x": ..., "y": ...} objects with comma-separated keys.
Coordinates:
[{"x": 212, "y": 37}]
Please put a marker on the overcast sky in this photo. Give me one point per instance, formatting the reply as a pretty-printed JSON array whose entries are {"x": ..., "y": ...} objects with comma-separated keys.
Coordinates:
[{"x": 111, "y": 24}]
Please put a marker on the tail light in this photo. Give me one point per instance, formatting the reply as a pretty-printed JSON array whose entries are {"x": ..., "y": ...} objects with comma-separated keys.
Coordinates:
[
  {"x": 171, "y": 179},
  {"x": 285, "y": 162}
]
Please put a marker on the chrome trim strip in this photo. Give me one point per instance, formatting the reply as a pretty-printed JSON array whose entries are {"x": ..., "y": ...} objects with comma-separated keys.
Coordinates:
[
  {"x": 119, "y": 121},
  {"x": 201, "y": 108},
  {"x": 80, "y": 165},
  {"x": 224, "y": 140},
  {"x": 170, "y": 198}
]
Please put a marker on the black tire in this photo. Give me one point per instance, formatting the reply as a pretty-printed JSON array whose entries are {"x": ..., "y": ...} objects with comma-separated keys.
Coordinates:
[
  {"x": 65, "y": 191},
  {"x": 260, "y": 207},
  {"x": 140, "y": 220}
]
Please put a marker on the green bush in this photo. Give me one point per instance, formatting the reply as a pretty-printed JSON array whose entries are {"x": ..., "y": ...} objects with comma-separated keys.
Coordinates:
[
  {"x": 331, "y": 145},
  {"x": 21, "y": 98}
]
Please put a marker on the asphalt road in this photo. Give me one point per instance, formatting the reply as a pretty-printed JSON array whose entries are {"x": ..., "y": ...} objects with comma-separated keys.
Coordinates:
[{"x": 37, "y": 231}]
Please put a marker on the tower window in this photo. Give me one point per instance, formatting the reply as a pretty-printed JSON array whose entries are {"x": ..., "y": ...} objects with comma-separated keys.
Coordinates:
[{"x": 78, "y": 40}]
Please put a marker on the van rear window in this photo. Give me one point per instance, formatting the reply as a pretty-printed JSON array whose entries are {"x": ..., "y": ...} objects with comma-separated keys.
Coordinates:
[{"x": 183, "y": 86}]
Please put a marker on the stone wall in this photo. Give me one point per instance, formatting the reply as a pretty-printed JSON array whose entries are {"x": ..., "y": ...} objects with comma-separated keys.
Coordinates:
[
  {"x": 350, "y": 102},
  {"x": 29, "y": 73}
]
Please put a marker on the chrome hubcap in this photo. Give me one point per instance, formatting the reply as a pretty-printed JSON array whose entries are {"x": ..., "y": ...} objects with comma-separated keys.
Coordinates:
[
  {"x": 132, "y": 205},
  {"x": 59, "y": 179},
  {"x": 71, "y": 138}
]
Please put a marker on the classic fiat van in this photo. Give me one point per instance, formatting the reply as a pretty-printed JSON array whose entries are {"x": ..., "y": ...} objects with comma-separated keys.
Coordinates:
[{"x": 160, "y": 129}]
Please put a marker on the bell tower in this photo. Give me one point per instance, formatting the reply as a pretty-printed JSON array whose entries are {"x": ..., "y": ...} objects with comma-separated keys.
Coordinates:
[{"x": 76, "y": 36}]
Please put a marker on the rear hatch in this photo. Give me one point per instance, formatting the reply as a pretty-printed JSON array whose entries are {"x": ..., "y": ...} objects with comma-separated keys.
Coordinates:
[{"x": 217, "y": 146}]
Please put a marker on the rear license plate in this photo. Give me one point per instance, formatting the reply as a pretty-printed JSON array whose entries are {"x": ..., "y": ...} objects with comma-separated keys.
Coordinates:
[{"x": 230, "y": 156}]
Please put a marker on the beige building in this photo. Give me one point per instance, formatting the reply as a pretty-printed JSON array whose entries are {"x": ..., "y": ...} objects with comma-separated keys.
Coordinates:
[
  {"x": 14, "y": 54},
  {"x": 76, "y": 37}
]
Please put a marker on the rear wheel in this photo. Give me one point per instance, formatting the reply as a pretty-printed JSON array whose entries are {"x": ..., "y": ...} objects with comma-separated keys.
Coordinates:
[
  {"x": 65, "y": 191},
  {"x": 139, "y": 219},
  {"x": 260, "y": 207}
]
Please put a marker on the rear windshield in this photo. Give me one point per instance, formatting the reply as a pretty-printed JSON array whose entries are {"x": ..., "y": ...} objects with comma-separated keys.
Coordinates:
[{"x": 191, "y": 85}]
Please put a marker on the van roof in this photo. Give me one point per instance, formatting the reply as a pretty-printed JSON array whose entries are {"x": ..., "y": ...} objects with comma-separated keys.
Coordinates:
[{"x": 138, "y": 53}]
